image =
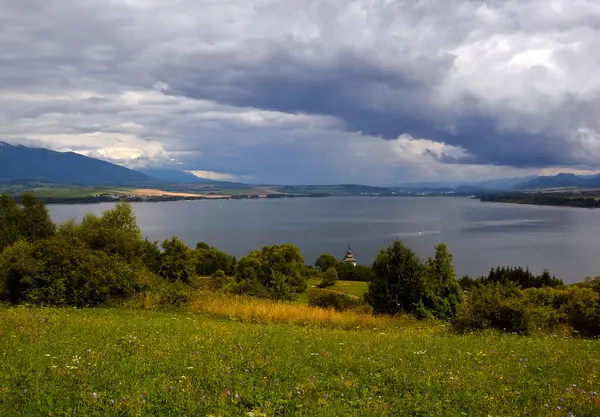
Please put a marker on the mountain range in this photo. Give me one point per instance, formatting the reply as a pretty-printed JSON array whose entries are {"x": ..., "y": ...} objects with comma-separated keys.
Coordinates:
[
  {"x": 18, "y": 162},
  {"x": 22, "y": 163}
]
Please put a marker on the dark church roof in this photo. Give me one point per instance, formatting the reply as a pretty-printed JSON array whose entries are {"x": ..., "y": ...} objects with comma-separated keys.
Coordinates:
[{"x": 349, "y": 258}]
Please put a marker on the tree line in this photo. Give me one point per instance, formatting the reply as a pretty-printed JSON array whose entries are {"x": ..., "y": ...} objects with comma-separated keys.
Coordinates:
[{"x": 104, "y": 260}]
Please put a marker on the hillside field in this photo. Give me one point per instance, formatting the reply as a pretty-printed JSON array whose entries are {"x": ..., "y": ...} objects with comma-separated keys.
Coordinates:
[{"x": 117, "y": 362}]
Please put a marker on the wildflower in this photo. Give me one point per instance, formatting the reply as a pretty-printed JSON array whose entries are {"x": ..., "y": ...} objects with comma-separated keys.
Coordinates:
[
  {"x": 112, "y": 402},
  {"x": 237, "y": 396},
  {"x": 94, "y": 395},
  {"x": 594, "y": 393}
]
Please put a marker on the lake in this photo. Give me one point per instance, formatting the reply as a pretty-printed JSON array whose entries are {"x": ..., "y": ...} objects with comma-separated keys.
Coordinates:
[{"x": 479, "y": 235}]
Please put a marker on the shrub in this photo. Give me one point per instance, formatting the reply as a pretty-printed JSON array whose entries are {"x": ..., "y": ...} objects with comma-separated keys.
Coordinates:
[
  {"x": 330, "y": 277},
  {"x": 492, "y": 306},
  {"x": 349, "y": 272},
  {"x": 174, "y": 295},
  {"x": 218, "y": 280},
  {"x": 508, "y": 308},
  {"x": 331, "y": 299},
  {"x": 60, "y": 272}
]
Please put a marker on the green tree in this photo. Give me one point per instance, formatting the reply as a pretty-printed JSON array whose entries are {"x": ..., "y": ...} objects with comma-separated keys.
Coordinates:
[
  {"x": 61, "y": 272},
  {"x": 211, "y": 260},
  {"x": 349, "y": 272},
  {"x": 178, "y": 262},
  {"x": 399, "y": 282},
  {"x": 257, "y": 268},
  {"x": 279, "y": 287},
  {"x": 10, "y": 216},
  {"x": 35, "y": 221},
  {"x": 326, "y": 261},
  {"x": 330, "y": 277},
  {"x": 115, "y": 232},
  {"x": 443, "y": 289}
]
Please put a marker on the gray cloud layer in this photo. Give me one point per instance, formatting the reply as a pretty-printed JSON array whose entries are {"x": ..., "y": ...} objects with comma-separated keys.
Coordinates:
[{"x": 307, "y": 91}]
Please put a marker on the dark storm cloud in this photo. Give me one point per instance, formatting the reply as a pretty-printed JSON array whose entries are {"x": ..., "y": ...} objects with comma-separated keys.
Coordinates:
[{"x": 505, "y": 83}]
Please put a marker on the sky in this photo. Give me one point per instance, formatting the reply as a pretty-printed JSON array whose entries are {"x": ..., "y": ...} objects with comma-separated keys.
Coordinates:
[{"x": 308, "y": 92}]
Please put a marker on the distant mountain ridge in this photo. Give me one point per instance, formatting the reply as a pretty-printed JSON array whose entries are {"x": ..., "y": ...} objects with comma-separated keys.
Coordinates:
[
  {"x": 22, "y": 163},
  {"x": 562, "y": 180},
  {"x": 18, "y": 162}
]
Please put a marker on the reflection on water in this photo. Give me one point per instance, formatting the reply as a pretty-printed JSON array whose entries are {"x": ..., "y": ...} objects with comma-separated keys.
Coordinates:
[{"x": 480, "y": 235}]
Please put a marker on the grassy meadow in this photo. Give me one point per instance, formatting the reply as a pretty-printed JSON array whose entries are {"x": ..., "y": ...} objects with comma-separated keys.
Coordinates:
[{"x": 234, "y": 362}]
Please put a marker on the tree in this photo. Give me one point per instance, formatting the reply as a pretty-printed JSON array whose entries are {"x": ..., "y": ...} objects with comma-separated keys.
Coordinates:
[
  {"x": 10, "y": 216},
  {"x": 115, "y": 232},
  {"x": 399, "y": 282},
  {"x": 444, "y": 290},
  {"x": 349, "y": 272},
  {"x": 402, "y": 283},
  {"x": 35, "y": 222},
  {"x": 256, "y": 270},
  {"x": 178, "y": 262},
  {"x": 211, "y": 260},
  {"x": 326, "y": 261},
  {"x": 330, "y": 277},
  {"x": 61, "y": 272}
]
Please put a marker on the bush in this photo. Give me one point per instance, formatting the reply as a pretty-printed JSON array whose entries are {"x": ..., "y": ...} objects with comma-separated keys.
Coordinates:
[
  {"x": 330, "y": 277},
  {"x": 493, "y": 306},
  {"x": 219, "y": 280},
  {"x": 349, "y": 272},
  {"x": 59, "y": 272},
  {"x": 331, "y": 299},
  {"x": 508, "y": 308},
  {"x": 174, "y": 295},
  {"x": 574, "y": 306}
]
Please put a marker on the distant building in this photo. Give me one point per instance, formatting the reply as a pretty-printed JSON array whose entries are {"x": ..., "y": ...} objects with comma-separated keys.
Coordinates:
[{"x": 349, "y": 258}]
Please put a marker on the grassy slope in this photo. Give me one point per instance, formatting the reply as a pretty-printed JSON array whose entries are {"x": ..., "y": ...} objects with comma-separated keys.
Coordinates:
[
  {"x": 349, "y": 287},
  {"x": 175, "y": 364}
]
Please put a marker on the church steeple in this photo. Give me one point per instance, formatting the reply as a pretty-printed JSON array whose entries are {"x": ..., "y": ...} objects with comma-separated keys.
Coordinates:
[{"x": 349, "y": 258}]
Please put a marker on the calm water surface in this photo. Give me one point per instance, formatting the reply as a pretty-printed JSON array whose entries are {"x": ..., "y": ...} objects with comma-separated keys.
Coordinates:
[{"x": 480, "y": 235}]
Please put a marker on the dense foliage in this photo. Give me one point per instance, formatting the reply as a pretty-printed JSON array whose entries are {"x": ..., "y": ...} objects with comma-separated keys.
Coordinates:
[
  {"x": 276, "y": 271},
  {"x": 403, "y": 283},
  {"x": 105, "y": 260},
  {"x": 329, "y": 278}
]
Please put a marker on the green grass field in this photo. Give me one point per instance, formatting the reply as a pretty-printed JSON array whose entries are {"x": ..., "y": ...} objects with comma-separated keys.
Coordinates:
[
  {"x": 354, "y": 288},
  {"x": 128, "y": 362}
]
